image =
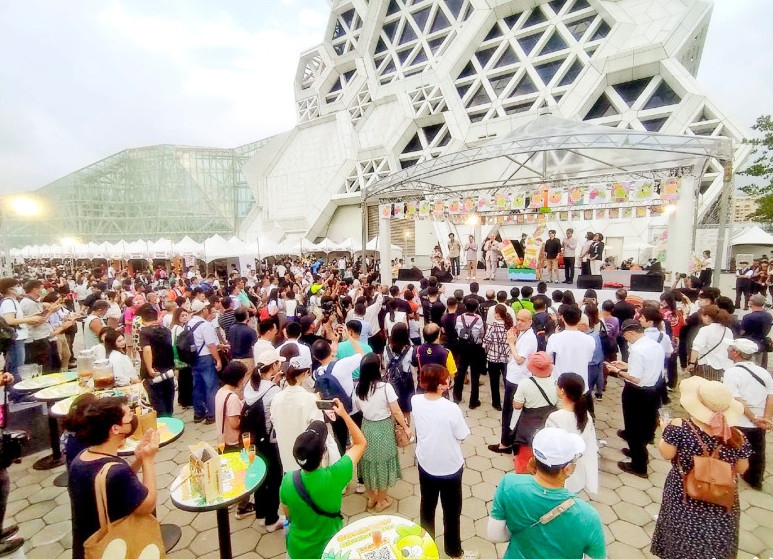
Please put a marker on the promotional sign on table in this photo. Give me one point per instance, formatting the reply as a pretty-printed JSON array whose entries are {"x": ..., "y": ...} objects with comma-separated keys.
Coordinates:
[
  {"x": 46, "y": 381},
  {"x": 381, "y": 537},
  {"x": 235, "y": 476}
]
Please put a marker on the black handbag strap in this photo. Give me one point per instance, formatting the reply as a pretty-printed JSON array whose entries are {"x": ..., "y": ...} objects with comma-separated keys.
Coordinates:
[
  {"x": 713, "y": 348},
  {"x": 758, "y": 379},
  {"x": 304, "y": 494},
  {"x": 542, "y": 392}
]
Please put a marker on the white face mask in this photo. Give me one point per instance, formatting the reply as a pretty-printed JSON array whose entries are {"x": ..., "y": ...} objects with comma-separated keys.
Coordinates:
[{"x": 18, "y": 291}]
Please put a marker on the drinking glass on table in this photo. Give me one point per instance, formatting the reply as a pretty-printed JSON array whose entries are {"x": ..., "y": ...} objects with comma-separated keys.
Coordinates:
[
  {"x": 251, "y": 453},
  {"x": 221, "y": 445},
  {"x": 246, "y": 440}
]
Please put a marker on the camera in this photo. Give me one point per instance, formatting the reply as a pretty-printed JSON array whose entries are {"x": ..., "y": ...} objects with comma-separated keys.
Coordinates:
[
  {"x": 682, "y": 276},
  {"x": 11, "y": 447},
  {"x": 162, "y": 377}
]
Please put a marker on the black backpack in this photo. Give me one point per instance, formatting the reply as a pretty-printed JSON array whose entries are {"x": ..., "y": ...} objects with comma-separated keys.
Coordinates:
[
  {"x": 329, "y": 387},
  {"x": 543, "y": 327},
  {"x": 187, "y": 352},
  {"x": 400, "y": 379},
  {"x": 254, "y": 420},
  {"x": 467, "y": 334},
  {"x": 608, "y": 343}
]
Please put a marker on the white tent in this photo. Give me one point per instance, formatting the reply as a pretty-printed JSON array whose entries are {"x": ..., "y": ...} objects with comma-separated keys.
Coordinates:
[
  {"x": 752, "y": 236},
  {"x": 97, "y": 250},
  {"x": 374, "y": 245},
  {"x": 188, "y": 247},
  {"x": 117, "y": 251},
  {"x": 137, "y": 249},
  {"x": 162, "y": 248},
  {"x": 216, "y": 247}
]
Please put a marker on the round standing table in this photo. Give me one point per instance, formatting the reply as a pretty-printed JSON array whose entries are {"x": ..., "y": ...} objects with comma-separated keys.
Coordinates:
[
  {"x": 246, "y": 479},
  {"x": 381, "y": 536},
  {"x": 48, "y": 384}
]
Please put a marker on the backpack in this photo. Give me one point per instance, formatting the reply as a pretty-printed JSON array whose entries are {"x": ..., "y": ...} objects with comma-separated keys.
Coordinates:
[
  {"x": 400, "y": 379},
  {"x": 254, "y": 419},
  {"x": 608, "y": 343},
  {"x": 711, "y": 479},
  {"x": 329, "y": 387},
  {"x": 543, "y": 327},
  {"x": 8, "y": 335},
  {"x": 467, "y": 334},
  {"x": 187, "y": 352}
]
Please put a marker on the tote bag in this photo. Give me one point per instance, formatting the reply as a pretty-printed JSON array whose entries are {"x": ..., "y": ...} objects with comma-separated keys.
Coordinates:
[{"x": 136, "y": 536}]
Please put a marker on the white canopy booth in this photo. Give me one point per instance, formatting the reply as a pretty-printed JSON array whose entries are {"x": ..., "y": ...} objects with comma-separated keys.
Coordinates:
[{"x": 552, "y": 150}]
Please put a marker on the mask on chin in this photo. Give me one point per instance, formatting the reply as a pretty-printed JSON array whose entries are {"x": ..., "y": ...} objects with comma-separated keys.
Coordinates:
[{"x": 134, "y": 423}]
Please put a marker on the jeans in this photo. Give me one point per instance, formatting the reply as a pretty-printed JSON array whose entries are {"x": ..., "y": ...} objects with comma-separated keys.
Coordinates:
[
  {"x": 449, "y": 489},
  {"x": 205, "y": 385},
  {"x": 472, "y": 356},
  {"x": 569, "y": 268},
  {"x": 162, "y": 397},
  {"x": 14, "y": 358},
  {"x": 507, "y": 414},
  {"x": 495, "y": 372},
  {"x": 595, "y": 378},
  {"x": 455, "y": 266}
]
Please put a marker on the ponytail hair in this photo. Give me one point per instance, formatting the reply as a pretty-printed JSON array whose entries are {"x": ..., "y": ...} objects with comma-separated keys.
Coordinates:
[
  {"x": 574, "y": 388},
  {"x": 720, "y": 316}
]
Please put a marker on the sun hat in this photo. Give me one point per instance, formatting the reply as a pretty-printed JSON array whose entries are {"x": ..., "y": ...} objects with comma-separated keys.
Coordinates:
[
  {"x": 710, "y": 402},
  {"x": 555, "y": 447},
  {"x": 539, "y": 364},
  {"x": 197, "y": 306},
  {"x": 310, "y": 446},
  {"x": 269, "y": 357},
  {"x": 631, "y": 325},
  {"x": 745, "y": 346}
]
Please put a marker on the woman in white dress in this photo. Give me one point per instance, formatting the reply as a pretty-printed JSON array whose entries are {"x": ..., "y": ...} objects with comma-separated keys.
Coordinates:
[
  {"x": 573, "y": 417},
  {"x": 123, "y": 367}
]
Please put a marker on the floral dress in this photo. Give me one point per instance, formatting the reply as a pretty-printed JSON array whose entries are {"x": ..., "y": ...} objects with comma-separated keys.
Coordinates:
[{"x": 688, "y": 528}]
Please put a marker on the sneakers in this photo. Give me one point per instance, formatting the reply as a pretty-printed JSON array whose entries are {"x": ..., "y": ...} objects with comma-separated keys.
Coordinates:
[
  {"x": 360, "y": 489},
  {"x": 197, "y": 419},
  {"x": 243, "y": 511},
  {"x": 209, "y": 421},
  {"x": 270, "y": 528}
]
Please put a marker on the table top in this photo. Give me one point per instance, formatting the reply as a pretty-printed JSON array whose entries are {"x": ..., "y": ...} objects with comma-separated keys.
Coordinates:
[
  {"x": 45, "y": 381},
  {"x": 246, "y": 478},
  {"x": 399, "y": 537},
  {"x": 170, "y": 429},
  {"x": 62, "y": 407},
  {"x": 59, "y": 392}
]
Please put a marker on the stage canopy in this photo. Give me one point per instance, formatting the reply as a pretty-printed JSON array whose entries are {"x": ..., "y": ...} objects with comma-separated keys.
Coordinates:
[{"x": 752, "y": 236}]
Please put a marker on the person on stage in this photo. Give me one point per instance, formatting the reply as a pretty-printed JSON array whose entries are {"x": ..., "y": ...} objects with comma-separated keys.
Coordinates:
[
  {"x": 492, "y": 251},
  {"x": 569, "y": 247}
]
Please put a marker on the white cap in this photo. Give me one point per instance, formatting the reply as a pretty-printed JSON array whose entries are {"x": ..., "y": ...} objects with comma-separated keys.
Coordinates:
[
  {"x": 745, "y": 346},
  {"x": 556, "y": 447},
  {"x": 197, "y": 306}
]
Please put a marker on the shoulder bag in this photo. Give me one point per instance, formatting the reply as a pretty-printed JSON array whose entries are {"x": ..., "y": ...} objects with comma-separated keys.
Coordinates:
[
  {"x": 304, "y": 495},
  {"x": 532, "y": 420},
  {"x": 134, "y": 536},
  {"x": 711, "y": 480}
]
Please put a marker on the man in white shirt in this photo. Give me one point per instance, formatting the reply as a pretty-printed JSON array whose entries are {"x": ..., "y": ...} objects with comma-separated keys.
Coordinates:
[
  {"x": 293, "y": 332},
  {"x": 267, "y": 331},
  {"x": 753, "y": 387},
  {"x": 641, "y": 396},
  {"x": 522, "y": 343},
  {"x": 569, "y": 248},
  {"x": 205, "y": 380},
  {"x": 571, "y": 349}
]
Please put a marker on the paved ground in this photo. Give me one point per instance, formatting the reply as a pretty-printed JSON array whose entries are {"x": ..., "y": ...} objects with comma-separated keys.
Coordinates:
[{"x": 626, "y": 503}]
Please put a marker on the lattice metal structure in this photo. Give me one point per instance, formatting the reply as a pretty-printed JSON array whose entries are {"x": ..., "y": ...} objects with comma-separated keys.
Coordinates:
[{"x": 144, "y": 193}]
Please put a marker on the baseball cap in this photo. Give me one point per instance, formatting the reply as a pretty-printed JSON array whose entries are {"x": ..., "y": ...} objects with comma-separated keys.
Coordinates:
[
  {"x": 269, "y": 357},
  {"x": 555, "y": 447},
  {"x": 631, "y": 325},
  {"x": 197, "y": 306},
  {"x": 310, "y": 446}
]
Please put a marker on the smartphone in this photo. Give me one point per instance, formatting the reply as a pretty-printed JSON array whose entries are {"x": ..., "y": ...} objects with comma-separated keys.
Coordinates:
[{"x": 325, "y": 404}]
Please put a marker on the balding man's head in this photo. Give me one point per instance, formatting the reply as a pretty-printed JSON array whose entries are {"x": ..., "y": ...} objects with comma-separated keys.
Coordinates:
[
  {"x": 431, "y": 333},
  {"x": 490, "y": 294},
  {"x": 523, "y": 320}
]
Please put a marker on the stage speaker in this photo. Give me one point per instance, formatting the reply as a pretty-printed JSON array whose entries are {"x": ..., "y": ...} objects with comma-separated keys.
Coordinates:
[
  {"x": 589, "y": 282},
  {"x": 409, "y": 274},
  {"x": 647, "y": 282}
]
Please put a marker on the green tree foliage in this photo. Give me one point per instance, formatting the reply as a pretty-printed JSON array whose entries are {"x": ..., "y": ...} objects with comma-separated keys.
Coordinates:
[{"x": 762, "y": 168}]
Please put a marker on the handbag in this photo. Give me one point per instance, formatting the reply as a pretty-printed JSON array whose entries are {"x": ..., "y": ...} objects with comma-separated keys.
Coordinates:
[
  {"x": 532, "y": 419},
  {"x": 133, "y": 536},
  {"x": 711, "y": 480},
  {"x": 401, "y": 437},
  {"x": 767, "y": 344}
]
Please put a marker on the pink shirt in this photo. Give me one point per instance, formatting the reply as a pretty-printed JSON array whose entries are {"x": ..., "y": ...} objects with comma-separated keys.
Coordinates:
[{"x": 234, "y": 408}]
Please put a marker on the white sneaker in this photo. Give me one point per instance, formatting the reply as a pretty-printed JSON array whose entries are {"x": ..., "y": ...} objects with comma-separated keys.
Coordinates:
[
  {"x": 360, "y": 489},
  {"x": 277, "y": 525}
]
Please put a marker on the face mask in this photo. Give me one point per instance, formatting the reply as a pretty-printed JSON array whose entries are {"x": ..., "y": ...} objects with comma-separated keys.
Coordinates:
[
  {"x": 18, "y": 291},
  {"x": 134, "y": 423}
]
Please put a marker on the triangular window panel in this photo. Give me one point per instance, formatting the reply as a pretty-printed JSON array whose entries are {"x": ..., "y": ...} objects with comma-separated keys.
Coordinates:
[
  {"x": 655, "y": 124},
  {"x": 499, "y": 83},
  {"x": 548, "y": 70},
  {"x": 572, "y": 74},
  {"x": 339, "y": 48},
  {"x": 441, "y": 22},
  {"x": 431, "y": 131},
  {"x": 421, "y": 18},
  {"x": 555, "y": 44},
  {"x": 435, "y": 44},
  {"x": 389, "y": 68},
  {"x": 557, "y": 97},
  {"x": 420, "y": 57},
  {"x": 468, "y": 71},
  {"x": 663, "y": 97},
  {"x": 455, "y": 6},
  {"x": 601, "y": 32},
  {"x": 480, "y": 98},
  {"x": 630, "y": 91},
  {"x": 348, "y": 18},
  {"x": 462, "y": 90},
  {"x": 404, "y": 54},
  {"x": 579, "y": 27},
  {"x": 495, "y": 32},
  {"x": 580, "y": 5},
  {"x": 408, "y": 34},
  {"x": 413, "y": 145},
  {"x": 601, "y": 108},
  {"x": 557, "y": 5},
  {"x": 349, "y": 75},
  {"x": 380, "y": 46},
  {"x": 510, "y": 21},
  {"x": 591, "y": 50},
  {"x": 535, "y": 18},
  {"x": 336, "y": 87},
  {"x": 477, "y": 117},
  {"x": 508, "y": 57},
  {"x": 485, "y": 55},
  {"x": 394, "y": 7},
  {"x": 524, "y": 87},
  {"x": 444, "y": 140},
  {"x": 339, "y": 30},
  {"x": 405, "y": 163},
  {"x": 519, "y": 108},
  {"x": 527, "y": 43},
  {"x": 390, "y": 30}
]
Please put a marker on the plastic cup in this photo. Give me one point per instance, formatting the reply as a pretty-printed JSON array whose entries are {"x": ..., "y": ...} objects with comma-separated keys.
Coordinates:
[
  {"x": 251, "y": 453},
  {"x": 246, "y": 440}
]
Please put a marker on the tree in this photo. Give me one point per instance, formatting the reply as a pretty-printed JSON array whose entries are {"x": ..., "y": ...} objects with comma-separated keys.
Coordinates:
[{"x": 762, "y": 168}]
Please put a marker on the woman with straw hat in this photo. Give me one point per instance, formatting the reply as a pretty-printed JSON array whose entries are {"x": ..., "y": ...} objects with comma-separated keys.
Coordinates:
[{"x": 688, "y": 527}]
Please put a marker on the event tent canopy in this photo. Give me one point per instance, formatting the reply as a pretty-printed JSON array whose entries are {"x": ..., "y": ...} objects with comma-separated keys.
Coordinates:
[{"x": 752, "y": 236}]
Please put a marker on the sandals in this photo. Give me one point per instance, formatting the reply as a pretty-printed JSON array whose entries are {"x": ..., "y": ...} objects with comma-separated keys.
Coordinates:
[{"x": 383, "y": 505}]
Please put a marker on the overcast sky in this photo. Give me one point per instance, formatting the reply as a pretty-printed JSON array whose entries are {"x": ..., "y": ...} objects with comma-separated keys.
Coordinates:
[{"x": 84, "y": 79}]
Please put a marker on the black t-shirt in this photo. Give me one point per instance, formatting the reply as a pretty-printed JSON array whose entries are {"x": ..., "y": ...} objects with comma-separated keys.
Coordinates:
[
  {"x": 552, "y": 248},
  {"x": 125, "y": 493},
  {"x": 433, "y": 311},
  {"x": 448, "y": 324},
  {"x": 242, "y": 337},
  {"x": 160, "y": 341},
  {"x": 623, "y": 310}
]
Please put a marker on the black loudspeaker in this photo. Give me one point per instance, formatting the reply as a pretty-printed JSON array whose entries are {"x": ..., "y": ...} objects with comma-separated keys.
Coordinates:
[
  {"x": 589, "y": 282},
  {"x": 409, "y": 274},
  {"x": 647, "y": 282},
  {"x": 443, "y": 276}
]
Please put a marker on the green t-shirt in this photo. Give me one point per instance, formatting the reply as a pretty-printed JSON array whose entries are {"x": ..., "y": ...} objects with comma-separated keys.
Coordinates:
[
  {"x": 310, "y": 532},
  {"x": 520, "y": 501},
  {"x": 519, "y": 304},
  {"x": 345, "y": 349}
]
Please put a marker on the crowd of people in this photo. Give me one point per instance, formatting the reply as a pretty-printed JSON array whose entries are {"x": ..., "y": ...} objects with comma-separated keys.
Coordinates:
[{"x": 392, "y": 365}]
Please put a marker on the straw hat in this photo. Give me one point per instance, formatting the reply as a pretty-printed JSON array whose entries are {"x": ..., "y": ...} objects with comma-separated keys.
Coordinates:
[{"x": 703, "y": 398}]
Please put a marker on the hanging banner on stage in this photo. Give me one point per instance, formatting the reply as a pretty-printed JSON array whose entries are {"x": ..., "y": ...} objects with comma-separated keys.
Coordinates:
[
  {"x": 385, "y": 211},
  {"x": 669, "y": 190}
]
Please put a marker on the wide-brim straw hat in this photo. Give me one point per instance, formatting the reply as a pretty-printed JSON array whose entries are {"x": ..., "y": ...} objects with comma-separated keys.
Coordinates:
[{"x": 703, "y": 398}]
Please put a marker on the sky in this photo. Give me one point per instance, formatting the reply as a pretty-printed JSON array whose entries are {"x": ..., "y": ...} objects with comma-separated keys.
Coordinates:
[{"x": 82, "y": 80}]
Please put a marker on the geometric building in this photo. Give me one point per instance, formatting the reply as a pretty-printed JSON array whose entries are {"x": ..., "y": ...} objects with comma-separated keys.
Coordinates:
[
  {"x": 144, "y": 193},
  {"x": 398, "y": 82}
]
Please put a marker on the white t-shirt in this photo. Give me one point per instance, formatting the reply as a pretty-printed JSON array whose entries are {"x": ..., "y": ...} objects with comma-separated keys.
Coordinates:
[
  {"x": 114, "y": 311},
  {"x": 586, "y": 473},
  {"x": 123, "y": 368},
  {"x": 525, "y": 345},
  {"x": 573, "y": 351},
  {"x": 704, "y": 344},
  {"x": 304, "y": 353},
  {"x": 376, "y": 407},
  {"x": 745, "y": 387},
  {"x": 400, "y": 316},
  {"x": 530, "y": 396},
  {"x": 9, "y": 306},
  {"x": 343, "y": 369},
  {"x": 440, "y": 428}
]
